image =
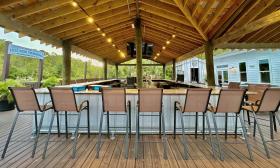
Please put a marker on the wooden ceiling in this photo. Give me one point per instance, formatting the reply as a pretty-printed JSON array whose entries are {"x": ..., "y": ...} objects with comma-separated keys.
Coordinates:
[{"x": 193, "y": 22}]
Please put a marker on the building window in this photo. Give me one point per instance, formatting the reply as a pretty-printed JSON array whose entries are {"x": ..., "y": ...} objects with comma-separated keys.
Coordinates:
[
  {"x": 264, "y": 71},
  {"x": 243, "y": 73}
]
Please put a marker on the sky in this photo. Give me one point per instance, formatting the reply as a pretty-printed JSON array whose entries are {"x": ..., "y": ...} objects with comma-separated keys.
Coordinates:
[{"x": 26, "y": 42}]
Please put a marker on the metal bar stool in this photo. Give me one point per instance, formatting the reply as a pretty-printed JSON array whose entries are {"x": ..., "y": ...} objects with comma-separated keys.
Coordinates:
[
  {"x": 269, "y": 102},
  {"x": 150, "y": 100},
  {"x": 63, "y": 99},
  {"x": 26, "y": 100},
  {"x": 196, "y": 100},
  {"x": 114, "y": 100},
  {"x": 230, "y": 101}
]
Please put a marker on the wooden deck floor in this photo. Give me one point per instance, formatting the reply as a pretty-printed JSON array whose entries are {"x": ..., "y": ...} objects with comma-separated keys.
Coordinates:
[{"x": 59, "y": 153}]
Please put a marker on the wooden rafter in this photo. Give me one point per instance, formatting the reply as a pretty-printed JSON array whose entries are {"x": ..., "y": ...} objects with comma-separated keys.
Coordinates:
[{"x": 188, "y": 15}]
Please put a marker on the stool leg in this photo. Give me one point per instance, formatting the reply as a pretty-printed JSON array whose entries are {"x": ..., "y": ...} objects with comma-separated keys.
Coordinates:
[
  {"x": 226, "y": 125},
  {"x": 99, "y": 135},
  {"x": 174, "y": 122},
  {"x": 210, "y": 134},
  {"x": 108, "y": 125},
  {"x": 262, "y": 137},
  {"x": 36, "y": 122},
  {"x": 184, "y": 140},
  {"x": 203, "y": 125},
  {"x": 74, "y": 151},
  {"x": 88, "y": 120},
  {"x": 274, "y": 121},
  {"x": 10, "y": 135},
  {"x": 196, "y": 121},
  {"x": 49, "y": 135},
  {"x": 57, "y": 122},
  {"x": 66, "y": 125},
  {"x": 255, "y": 125},
  {"x": 129, "y": 113},
  {"x": 37, "y": 135},
  {"x": 235, "y": 129},
  {"x": 126, "y": 135},
  {"x": 217, "y": 136},
  {"x": 160, "y": 117},
  {"x": 248, "y": 117},
  {"x": 245, "y": 136},
  {"x": 137, "y": 136},
  {"x": 164, "y": 137},
  {"x": 271, "y": 125}
]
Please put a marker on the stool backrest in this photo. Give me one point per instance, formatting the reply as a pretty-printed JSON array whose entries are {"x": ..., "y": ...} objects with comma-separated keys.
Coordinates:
[
  {"x": 150, "y": 100},
  {"x": 197, "y": 100},
  {"x": 25, "y": 99},
  {"x": 63, "y": 99},
  {"x": 270, "y": 100},
  {"x": 234, "y": 85},
  {"x": 259, "y": 88},
  {"x": 114, "y": 99},
  {"x": 230, "y": 100}
]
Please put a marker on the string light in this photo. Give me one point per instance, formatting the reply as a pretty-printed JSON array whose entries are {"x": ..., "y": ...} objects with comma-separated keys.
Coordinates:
[
  {"x": 90, "y": 19},
  {"x": 114, "y": 45},
  {"x": 103, "y": 34},
  {"x": 158, "y": 54},
  {"x": 167, "y": 42},
  {"x": 163, "y": 47},
  {"x": 173, "y": 36},
  {"x": 119, "y": 50},
  {"x": 122, "y": 54},
  {"x": 74, "y": 4},
  {"x": 109, "y": 40},
  {"x": 98, "y": 29}
]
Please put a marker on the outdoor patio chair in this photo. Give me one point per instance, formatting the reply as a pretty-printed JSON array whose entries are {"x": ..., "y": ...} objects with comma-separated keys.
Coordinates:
[
  {"x": 63, "y": 100},
  {"x": 26, "y": 100},
  {"x": 150, "y": 100},
  {"x": 196, "y": 100},
  {"x": 230, "y": 101},
  {"x": 234, "y": 85},
  {"x": 268, "y": 103},
  {"x": 114, "y": 100}
]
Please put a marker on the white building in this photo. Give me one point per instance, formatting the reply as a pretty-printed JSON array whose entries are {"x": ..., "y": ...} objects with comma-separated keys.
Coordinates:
[{"x": 252, "y": 66}]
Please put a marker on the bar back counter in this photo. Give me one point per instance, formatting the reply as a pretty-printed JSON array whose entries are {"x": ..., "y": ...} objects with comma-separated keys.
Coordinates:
[{"x": 169, "y": 97}]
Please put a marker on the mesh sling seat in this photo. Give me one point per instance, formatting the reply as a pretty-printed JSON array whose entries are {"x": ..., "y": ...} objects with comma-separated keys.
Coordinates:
[
  {"x": 114, "y": 100},
  {"x": 268, "y": 103},
  {"x": 26, "y": 100},
  {"x": 63, "y": 99},
  {"x": 230, "y": 101},
  {"x": 150, "y": 100},
  {"x": 196, "y": 100}
]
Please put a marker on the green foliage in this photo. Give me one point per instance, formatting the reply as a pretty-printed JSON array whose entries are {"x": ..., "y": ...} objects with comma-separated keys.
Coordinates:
[
  {"x": 5, "y": 93},
  {"x": 51, "y": 82}
]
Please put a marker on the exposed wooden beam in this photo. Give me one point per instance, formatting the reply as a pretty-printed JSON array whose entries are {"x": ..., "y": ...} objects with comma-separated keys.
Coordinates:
[
  {"x": 191, "y": 54},
  {"x": 248, "y": 45},
  {"x": 248, "y": 28},
  {"x": 6, "y": 3},
  {"x": 188, "y": 15}
]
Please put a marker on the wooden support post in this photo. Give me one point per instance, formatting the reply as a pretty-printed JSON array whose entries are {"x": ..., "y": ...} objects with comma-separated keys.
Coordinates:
[
  {"x": 173, "y": 69},
  {"x": 105, "y": 69},
  {"x": 163, "y": 71},
  {"x": 117, "y": 71},
  {"x": 6, "y": 63},
  {"x": 208, "y": 49},
  {"x": 85, "y": 71},
  {"x": 66, "y": 71},
  {"x": 138, "y": 42},
  {"x": 40, "y": 70}
]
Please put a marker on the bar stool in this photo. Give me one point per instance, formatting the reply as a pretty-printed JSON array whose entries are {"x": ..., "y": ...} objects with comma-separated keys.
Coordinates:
[
  {"x": 114, "y": 100},
  {"x": 26, "y": 100},
  {"x": 269, "y": 102},
  {"x": 196, "y": 100},
  {"x": 230, "y": 101},
  {"x": 63, "y": 99},
  {"x": 150, "y": 100}
]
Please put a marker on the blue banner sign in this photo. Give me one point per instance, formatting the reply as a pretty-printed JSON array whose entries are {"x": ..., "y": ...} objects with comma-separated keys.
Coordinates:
[{"x": 26, "y": 52}]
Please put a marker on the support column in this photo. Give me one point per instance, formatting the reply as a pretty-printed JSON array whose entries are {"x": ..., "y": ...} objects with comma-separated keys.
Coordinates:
[
  {"x": 173, "y": 69},
  {"x": 40, "y": 70},
  {"x": 138, "y": 43},
  {"x": 6, "y": 63},
  {"x": 105, "y": 69},
  {"x": 208, "y": 48},
  {"x": 85, "y": 71},
  {"x": 66, "y": 71},
  {"x": 117, "y": 71},
  {"x": 163, "y": 71}
]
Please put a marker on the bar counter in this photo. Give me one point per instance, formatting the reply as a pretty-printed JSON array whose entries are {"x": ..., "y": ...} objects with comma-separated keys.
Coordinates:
[{"x": 147, "y": 124}]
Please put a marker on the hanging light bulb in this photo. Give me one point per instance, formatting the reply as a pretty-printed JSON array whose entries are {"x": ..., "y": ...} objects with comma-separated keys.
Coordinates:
[
  {"x": 163, "y": 47},
  {"x": 158, "y": 54},
  {"x": 173, "y": 36},
  {"x": 98, "y": 29},
  {"x": 113, "y": 45},
  {"x": 103, "y": 34},
  {"x": 74, "y": 4},
  {"x": 167, "y": 42},
  {"x": 90, "y": 19},
  {"x": 109, "y": 40}
]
